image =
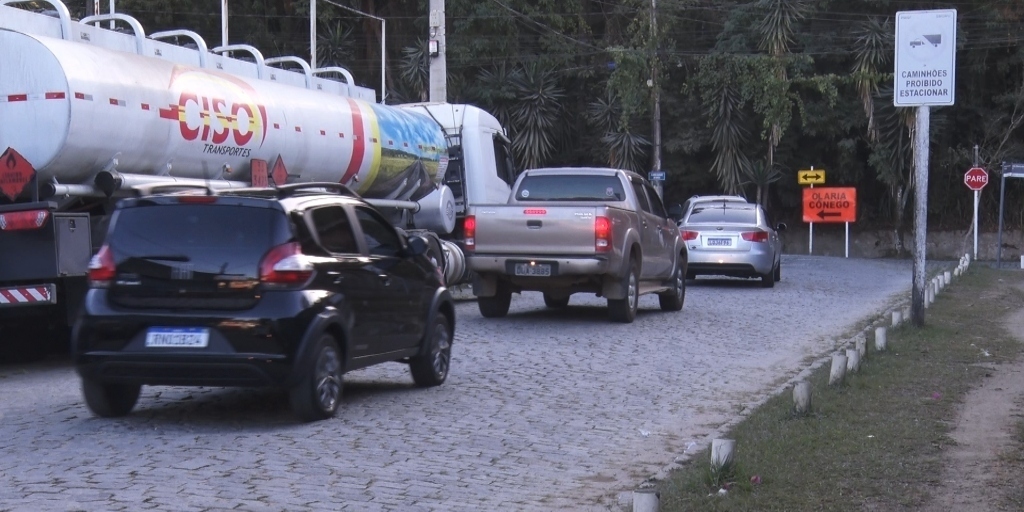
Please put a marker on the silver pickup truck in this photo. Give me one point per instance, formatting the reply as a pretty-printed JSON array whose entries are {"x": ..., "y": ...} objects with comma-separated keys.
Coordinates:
[{"x": 577, "y": 230}]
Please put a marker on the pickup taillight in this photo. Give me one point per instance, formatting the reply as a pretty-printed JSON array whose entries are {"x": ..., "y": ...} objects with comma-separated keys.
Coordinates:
[
  {"x": 469, "y": 232},
  {"x": 602, "y": 234}
]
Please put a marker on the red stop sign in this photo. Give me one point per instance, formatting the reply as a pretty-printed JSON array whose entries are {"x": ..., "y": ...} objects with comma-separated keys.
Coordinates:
[{"x": 976, "y": 178}]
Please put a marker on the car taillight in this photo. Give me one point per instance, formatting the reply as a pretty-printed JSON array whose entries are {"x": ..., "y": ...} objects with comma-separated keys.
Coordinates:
[
  {"x": 18, "y": 221},
  {"x": 602, "y": 234},
  {"x": 469, "y": 232},
  {"x": 101, "y": 268},
  {"x": 689, "y": 235},
  {"x": 755, "y": 236},
  {"x": 285, "y": 265}
]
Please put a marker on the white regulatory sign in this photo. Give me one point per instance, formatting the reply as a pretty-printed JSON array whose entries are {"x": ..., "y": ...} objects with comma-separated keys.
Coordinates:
[{"x": 925, "y": 58}]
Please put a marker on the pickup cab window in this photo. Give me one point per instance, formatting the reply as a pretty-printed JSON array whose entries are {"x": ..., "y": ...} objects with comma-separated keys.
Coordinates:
[
  {"x": 570, "y": 188},
  {"x": 657, "y": 207},
  {"x": 641, "y": 197}
]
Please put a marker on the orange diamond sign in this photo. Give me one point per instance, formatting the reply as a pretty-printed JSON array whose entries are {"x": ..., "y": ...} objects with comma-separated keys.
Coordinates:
[{"x": 15, "y": 173}]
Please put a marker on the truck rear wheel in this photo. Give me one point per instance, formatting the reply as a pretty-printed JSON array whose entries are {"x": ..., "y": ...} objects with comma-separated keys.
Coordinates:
[
  {"x": 672, "y": 299},
  {"x": 496, "y": 306},
  {"x": 624, "y": 310}
]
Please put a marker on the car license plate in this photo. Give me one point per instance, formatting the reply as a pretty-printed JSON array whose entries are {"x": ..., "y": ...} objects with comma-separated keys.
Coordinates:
[
  {"x": 719, "y": 242},
  {"x": 536, "y": 269},
  {"x": 177, "y": 337}
]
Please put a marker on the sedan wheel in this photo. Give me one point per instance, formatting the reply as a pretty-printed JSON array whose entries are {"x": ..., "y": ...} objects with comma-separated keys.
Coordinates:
[
  {"x": 778, "y": 271},
  {"x": 431, "y": 369},
  {"x": 318, "y": 394}
]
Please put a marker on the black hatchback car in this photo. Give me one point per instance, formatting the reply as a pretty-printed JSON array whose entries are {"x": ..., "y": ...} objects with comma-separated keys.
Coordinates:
[{"x": 289, "y": 287}]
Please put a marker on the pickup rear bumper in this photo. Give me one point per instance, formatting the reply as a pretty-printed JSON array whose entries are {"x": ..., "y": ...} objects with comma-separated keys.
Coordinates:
[{"x": 560, "y": 265}]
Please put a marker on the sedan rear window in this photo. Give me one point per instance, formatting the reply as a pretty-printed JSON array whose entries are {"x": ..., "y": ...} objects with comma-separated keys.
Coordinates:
[
  {"x": 214, "y": 239},
  {"x": 723, "y": 213},
  {"x": 570, "y": 188}
]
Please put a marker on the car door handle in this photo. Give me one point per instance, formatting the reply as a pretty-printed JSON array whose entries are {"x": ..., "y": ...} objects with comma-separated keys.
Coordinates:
[{"x": 384, "y": 278}]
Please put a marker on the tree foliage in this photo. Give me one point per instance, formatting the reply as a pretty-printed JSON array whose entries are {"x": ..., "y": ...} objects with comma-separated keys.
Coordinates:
[{"x": 751, "y": 91}]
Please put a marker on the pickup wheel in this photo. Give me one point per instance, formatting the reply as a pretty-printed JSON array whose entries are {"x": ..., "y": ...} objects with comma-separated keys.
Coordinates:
[
  {"x": 555, "y": 302},
  {"x": 496, "y": 306},
  {"x": 624, "y": 310},
  {"x": 672, "y": 299},
  {"x": 431, "y": 369},
  {"x": 110, "y": 400},
  {"x": 318, "y": 394}
]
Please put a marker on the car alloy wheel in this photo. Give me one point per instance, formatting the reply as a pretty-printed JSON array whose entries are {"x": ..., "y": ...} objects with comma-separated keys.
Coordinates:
[{"x": 431, "y": 369}]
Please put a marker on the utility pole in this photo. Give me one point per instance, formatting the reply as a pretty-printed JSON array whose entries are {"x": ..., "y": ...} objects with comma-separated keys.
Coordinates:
[
  {"x": 656, "y": 93},
  {"x": 436, "y": 50}
]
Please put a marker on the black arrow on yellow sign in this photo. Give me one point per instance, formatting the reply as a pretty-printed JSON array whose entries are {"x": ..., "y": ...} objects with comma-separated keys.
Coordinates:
[{"x": 811, "y": 177}]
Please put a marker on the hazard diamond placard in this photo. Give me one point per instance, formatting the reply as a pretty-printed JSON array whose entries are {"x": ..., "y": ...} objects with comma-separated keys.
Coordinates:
[
  {"x": 15, "y": 173},
  {"x": 830, "y": 204}
]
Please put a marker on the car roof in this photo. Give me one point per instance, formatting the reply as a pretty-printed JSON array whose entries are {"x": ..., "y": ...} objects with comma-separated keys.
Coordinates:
[{"x": 723, "y": 198}]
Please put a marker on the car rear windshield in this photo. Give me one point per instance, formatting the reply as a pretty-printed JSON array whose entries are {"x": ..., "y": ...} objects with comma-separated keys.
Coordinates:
[
  {"x": 723, "y": 213},
  {"x": 571, "y": 187},
  {"x": 225, "y": 240}
]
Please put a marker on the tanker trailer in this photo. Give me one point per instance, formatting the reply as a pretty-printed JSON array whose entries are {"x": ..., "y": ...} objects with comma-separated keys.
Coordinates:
[{"x": 88, "y": 114}]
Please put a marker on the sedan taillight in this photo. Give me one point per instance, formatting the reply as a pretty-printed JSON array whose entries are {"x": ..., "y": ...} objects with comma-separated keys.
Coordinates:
[
  {"x": 689, "y": 235},
  {"x": 755, "y": 236}
]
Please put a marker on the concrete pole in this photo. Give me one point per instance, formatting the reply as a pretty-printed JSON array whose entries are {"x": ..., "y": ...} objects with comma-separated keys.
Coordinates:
[
  {"x": 312, "y": 34},
  {"x": 656, "y": 92},
  {"x": 438, "y": 64},
  {"x": 224, "y": 22},
  {"x": 920, "y": 213}
]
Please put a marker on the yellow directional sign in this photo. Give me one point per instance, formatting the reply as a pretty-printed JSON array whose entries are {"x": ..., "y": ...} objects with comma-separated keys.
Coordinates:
[{"x": 811, "y": 177}]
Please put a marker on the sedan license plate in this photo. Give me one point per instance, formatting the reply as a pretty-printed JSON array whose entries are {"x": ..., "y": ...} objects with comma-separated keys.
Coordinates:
[
  {"x": 719, "y": 242},
  {"x": 177, "y": 337},
  {"x": 536, "y": 269}
]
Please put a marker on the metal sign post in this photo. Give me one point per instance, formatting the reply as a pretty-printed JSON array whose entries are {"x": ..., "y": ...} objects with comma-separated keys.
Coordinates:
[
  {"x": 1010, "y": 170},
  {"x": 925, "y": 72},
  {"x": 976, "y": 178}
]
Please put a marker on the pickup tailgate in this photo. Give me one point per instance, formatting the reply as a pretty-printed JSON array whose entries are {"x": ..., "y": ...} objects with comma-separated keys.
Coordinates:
[{"x": 542, "y": 230}]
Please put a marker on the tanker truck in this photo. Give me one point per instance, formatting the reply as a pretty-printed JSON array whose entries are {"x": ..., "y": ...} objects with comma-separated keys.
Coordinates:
[{"x": 89, "y": 115}]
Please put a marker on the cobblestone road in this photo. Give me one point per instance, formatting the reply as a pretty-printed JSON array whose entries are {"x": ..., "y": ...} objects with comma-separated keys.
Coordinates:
[{"x": 544, "y": 410}]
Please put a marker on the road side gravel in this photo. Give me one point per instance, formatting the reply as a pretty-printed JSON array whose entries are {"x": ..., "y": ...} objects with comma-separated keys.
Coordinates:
[{"x": 544, "y": 409}]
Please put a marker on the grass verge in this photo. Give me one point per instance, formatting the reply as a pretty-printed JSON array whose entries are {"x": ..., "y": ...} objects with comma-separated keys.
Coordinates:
[{"x": 877, "y": 441}]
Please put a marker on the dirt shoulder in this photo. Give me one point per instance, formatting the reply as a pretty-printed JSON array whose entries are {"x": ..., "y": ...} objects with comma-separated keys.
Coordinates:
[{"x": 983, "y": 467}]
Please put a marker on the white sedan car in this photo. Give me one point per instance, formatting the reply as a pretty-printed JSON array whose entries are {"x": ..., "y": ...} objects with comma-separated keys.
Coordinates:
[{"x": 732, "y": 238}]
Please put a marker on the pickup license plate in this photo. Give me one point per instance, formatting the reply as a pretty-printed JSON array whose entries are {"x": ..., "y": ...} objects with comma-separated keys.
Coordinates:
[
  {"x": 177, "y": 337},
  {"x": 537, "y": 269},
  {"x": 719, "y": 242}
]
